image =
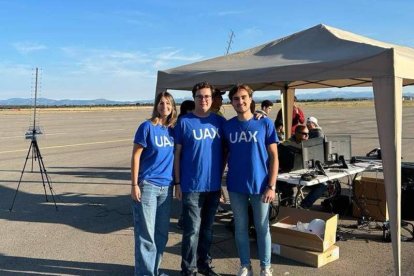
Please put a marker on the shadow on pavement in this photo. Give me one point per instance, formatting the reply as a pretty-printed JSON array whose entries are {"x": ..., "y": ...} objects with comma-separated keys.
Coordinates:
[{"x": 10, "y": 265}]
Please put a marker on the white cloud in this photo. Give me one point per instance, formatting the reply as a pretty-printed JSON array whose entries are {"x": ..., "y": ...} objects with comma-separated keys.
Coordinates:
[
  {"x": 126, "y": 63},
  {"x": 171, "y": 57},
  {"x": 28, "y": 47},
  {"x": 88, "y": 73}
]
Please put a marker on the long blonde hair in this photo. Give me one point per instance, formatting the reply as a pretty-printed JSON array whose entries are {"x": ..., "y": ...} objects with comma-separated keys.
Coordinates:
[{"x": 172, "y": 118}]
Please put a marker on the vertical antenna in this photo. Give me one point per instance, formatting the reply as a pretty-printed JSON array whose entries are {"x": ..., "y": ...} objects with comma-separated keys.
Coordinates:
[
  {"x": 35, "y": 101},
  {"x": 231, "y": 36},
  {"x": 34, "y": 130}
]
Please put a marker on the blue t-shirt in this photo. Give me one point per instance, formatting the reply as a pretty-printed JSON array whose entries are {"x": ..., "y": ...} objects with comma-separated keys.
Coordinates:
[
  {"x": 156, "y": 162},
  {"x": 201, "y": 161},
  {"x": 248, "y": 162}
]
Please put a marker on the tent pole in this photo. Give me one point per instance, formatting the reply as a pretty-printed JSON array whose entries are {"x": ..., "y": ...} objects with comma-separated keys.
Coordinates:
[{"x": 388, "y": 109}]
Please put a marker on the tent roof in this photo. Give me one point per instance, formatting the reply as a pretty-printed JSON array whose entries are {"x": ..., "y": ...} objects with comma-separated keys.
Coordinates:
[{"x": 319, "y": 57}]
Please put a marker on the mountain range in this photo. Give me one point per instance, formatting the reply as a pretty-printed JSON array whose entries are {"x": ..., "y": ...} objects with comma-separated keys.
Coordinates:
[{"x": 302, "y": 96}]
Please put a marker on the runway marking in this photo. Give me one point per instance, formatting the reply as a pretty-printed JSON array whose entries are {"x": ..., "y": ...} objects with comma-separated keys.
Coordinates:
[{"x": 71, "y": 145}]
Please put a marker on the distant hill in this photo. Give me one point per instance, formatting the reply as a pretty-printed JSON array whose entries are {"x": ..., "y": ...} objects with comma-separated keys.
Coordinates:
[
  {"x": 65, "y": 102},
  {"x": 302, "y": 96}
]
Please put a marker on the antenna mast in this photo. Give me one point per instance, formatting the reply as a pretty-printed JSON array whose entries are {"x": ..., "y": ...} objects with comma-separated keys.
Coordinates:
[
  {"x": 35, "y": 102},
  {"x": 34, "y": 130},
  {"x": 230, "y": 42}
]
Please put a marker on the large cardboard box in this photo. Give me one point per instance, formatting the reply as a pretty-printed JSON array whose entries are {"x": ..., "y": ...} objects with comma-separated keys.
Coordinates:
[
  {"x": 370, "y": 200},
  {"x": 315, "y": 259},
  {"x": 284, "y": 232}
]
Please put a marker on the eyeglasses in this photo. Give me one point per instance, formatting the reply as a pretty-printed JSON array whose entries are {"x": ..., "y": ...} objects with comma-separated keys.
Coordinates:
[
  {"x": 201, "y": 97},
  {"x": 304, "y": 133}
]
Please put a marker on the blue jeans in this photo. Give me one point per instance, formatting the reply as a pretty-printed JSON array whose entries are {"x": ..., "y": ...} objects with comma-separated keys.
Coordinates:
[
  {"x": 239, "y": 204},
  {"x": 316, "y": 191},
  {"x": 199, "y": 210},
  {"x": 151, "y": 223}
]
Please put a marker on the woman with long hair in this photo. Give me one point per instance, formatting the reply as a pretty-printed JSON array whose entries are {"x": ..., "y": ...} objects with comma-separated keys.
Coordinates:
[{"x": 152, "y": 184}]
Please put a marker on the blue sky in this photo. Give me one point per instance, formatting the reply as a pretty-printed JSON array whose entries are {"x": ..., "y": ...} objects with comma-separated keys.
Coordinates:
[{"x": 112, "y": 49}]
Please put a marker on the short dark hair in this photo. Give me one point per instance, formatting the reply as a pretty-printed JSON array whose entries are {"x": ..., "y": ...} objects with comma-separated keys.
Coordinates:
[
  {"x": 202, "y": 85},
  {"x": 278, "y": 123},
  {"x": 266, "y": 103},
  {"x": 186, "y": 107},
  {"x": 237, "y": 88},
  {"x": 300, "y": 128}
]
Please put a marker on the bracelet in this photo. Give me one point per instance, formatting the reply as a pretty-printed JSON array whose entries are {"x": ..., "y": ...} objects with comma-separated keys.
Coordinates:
[
  {"x": 272, "y": 187},
  {"x": 134, "y": 184},
  {"x": 177, "y": 183}
]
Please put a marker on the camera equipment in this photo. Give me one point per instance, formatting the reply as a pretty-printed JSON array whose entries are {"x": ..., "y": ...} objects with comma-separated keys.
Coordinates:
[{"x": 36, "y": 155}]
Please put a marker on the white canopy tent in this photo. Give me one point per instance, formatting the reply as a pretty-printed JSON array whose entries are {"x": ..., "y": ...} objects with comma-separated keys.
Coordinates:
[{"x": 321, "y": 57}]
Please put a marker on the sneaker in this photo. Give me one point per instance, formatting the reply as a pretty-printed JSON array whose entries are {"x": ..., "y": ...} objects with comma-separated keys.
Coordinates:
[
  {"x": 266, "y": 271},
  {"x": 245, "y": 270},
  {"x": 208, "y": 271}
]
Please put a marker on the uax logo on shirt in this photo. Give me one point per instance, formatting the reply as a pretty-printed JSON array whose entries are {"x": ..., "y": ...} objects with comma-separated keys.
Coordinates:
[
  {"x": 243, "y": 137},
  {"x": 202, "y": 134},
  {"x": 163, "y": 141}
]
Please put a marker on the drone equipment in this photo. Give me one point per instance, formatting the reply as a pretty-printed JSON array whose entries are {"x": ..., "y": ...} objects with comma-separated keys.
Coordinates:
[{"x": 36, "y": 155}]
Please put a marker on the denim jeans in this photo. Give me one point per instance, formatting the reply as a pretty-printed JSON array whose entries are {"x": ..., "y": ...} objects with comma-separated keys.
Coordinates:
[
  {"x": 239, "y": 204},
  {"x": 151, "y": 223},
  {"x": 199, "y": 210},
  {"x": 316, "y": 191}
]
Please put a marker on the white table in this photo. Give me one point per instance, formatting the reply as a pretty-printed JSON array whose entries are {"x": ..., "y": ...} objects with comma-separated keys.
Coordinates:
[{"x": 294, "y": 177}]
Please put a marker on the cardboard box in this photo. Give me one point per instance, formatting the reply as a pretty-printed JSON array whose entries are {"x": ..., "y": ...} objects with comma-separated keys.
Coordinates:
[
  {"x": 370, "y": 197},
  {"x": 283, "y": 231},
  {"x": 315, "y": 259}
]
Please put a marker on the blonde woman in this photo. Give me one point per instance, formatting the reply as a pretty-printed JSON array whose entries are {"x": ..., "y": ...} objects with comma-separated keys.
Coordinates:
[{"x": 152, "y": 188}]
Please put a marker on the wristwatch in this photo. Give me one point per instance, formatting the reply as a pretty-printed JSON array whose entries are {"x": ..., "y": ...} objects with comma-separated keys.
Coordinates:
[{"x": 271, "y": 187}]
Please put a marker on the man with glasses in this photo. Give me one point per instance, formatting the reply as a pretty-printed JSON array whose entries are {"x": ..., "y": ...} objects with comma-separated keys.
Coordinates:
[
  {"x": 286, "y": 190},
  {"x": 198, "y": 168}
]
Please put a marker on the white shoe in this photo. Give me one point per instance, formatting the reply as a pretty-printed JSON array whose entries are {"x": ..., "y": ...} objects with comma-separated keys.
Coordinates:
[
  {"x": 266, "y": 271},
  {"x": 245, "y": 271}
]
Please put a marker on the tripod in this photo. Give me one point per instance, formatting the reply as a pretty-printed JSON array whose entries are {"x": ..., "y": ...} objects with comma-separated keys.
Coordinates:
[{"x": 34, "y": 148}]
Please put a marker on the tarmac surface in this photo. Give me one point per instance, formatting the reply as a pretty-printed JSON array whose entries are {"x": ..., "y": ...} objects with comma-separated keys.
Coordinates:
[{"x": 87, "y": 156}]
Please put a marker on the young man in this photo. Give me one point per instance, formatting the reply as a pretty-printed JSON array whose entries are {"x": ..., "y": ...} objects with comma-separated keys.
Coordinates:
[
  {"x": 314, "y": 129},
  {"x": 266, "y": 107},
  {"x": 251, "y": 176},
  {"x": 198, "y": 167}
]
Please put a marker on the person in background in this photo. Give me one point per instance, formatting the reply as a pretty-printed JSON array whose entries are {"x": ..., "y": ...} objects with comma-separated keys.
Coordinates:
[
  {"x": 198, "y": 168},
  {"x": 266, "y": 107},
  {"x": 253, "y": 108},
  {"x": 298, "y": 117},
  {"x": 151, "y": 180},
  {"x": 314, "y": 129},
  {"x": 217, "y": 102},
  {"x": 280, "y": 130},
  {"x": 186, "y": 107},
  {"x": 251, "y": 180},
  {"x": 286, "y": 190}
]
